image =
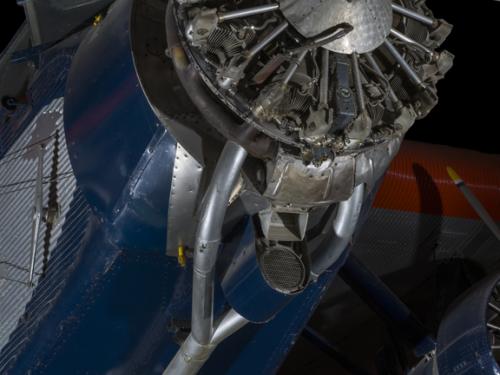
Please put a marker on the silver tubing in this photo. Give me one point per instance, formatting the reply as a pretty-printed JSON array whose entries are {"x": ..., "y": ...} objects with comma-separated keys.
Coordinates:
[
  {"x": 392, "y": 94},
  {"x": 203, "y": 340},
  {"x": 358, "y": 82},
  {"x": 294, "y": 65},
  {"x": 248, "y": 12},
  {"x": 192, "y": 355},
  {"x": 189, "y": 359},
  {"x": 37, "y": 213},
  {"x": 344, "y": 225},
  {"x": 249, "y": 54},
  {"x": 208, "y": 238},
  {"x": 414, "y": 15},
  {"x": 325, "y": 77},
  {"x": 404, "y": 65},
  {"x": 268, "y": 39},
  {"x": 409, "y": 40}
]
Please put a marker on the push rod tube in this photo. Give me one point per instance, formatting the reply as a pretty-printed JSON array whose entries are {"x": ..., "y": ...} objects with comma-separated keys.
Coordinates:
[
  {"x": 408, "y": 40},
  {"x": 414, "y": 15},
  {"x": 266, "y": 40},
  {"x": 412, "y": 75},
  {"x": 248, "y": 12},
  {"x": 325, "y": 77}
]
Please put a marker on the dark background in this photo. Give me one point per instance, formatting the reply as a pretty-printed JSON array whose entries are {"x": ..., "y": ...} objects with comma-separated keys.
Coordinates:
[
  {"x": 466, "y": 116},
  {"x": 11, "y": 17}
]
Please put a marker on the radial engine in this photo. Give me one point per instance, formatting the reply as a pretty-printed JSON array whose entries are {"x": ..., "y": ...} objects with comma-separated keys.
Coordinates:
[{"x": 321, "y": 93}]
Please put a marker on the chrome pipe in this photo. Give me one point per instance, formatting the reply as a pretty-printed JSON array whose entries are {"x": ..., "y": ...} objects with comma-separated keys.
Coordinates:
[
  {"x": 414, "y": 15},
  {"x": 294, "y": 65},
  {"x": 241, "y": 13},
  {"x": 208, "y": 238},
  {"x": 268, "y": 39},
  {"x": 404, "y": 65},
  {"x": 409, "y": 40},
  {"x": 344, "y": 225},
  {"x": 203, "y": 340}
]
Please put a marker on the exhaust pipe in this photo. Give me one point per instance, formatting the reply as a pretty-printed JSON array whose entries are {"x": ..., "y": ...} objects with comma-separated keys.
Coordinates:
[
  {"x": 192, "y": 355},
  {"x": 203, "y": 339}
]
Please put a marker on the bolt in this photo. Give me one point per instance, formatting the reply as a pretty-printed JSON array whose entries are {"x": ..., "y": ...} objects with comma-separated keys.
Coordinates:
[{"x": 345, "y": 93}]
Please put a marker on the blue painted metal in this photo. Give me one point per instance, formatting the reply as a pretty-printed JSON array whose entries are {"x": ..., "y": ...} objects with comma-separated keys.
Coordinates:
[
  {"x": 106, "y": 112},
  {"x": 120, "y": 283},
  {"x": 140, "y": 216},
  {"x": 260, "y": 349},
  {"x": 385, "y": 303},
  {"x": 463, "y": 339}
]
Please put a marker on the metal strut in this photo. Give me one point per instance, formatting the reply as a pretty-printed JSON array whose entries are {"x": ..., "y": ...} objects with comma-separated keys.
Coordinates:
[
  {"x": 387, "y": 305},
  {"x": 37, "y": 214}
]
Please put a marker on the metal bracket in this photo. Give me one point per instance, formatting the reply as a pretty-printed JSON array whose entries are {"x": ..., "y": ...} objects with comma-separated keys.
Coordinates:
[{"x": 37, "y": 213}]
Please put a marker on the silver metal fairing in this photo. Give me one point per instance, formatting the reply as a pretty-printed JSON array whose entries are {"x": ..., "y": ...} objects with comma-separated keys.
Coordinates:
[
  {"x": 371, "y": 20},
  {"x": 294, "y": 184},
  {"x": 183, "y": 201}
]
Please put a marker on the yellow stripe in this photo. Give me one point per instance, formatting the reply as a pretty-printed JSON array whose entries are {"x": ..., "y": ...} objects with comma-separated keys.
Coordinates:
[
  {"x": 181, "y": 256},
  {"x": 454, "y": 175}
]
